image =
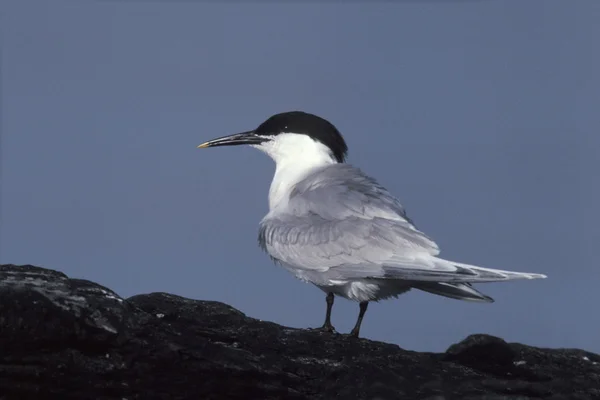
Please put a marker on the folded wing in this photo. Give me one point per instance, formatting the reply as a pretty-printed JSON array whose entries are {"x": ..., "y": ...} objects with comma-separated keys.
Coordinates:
[{"x": 341, "y": 224}]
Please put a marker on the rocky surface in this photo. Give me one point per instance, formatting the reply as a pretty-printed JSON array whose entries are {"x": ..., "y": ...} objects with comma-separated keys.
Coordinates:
[{"x": 73, "y": 339}]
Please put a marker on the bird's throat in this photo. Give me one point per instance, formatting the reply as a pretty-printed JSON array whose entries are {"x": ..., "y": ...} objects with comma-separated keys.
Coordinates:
[{"x": 288, "y": 174}]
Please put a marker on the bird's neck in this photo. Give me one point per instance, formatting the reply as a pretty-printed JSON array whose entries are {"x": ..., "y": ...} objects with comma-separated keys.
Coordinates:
[{"x": 290, "y": 171}]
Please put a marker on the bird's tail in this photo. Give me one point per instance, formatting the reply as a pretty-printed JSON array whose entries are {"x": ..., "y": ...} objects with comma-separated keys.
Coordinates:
[
  {"x": 459, "y": 291},
  {"x": 480, "y": 274},
  {"x": 433, "y": 269}
]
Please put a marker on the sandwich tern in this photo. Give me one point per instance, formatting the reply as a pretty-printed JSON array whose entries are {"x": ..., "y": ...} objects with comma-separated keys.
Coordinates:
[{"x": 331, "y": 225}]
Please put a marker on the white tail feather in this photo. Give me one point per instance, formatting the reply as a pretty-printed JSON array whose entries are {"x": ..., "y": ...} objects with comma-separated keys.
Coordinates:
[{"x": 489, "y": 274}]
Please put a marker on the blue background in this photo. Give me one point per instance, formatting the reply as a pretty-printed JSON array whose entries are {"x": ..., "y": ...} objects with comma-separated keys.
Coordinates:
[{"x": 481, "y": 116}]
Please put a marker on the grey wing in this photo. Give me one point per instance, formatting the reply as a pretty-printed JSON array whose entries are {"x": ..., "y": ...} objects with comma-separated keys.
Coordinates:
[{"x": 341, "y": 223}]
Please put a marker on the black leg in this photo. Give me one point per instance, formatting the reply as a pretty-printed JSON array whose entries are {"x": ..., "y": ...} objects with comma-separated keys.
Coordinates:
[
  {"x": 327, "y": 327},
  {"x": 361, "y": 314}
]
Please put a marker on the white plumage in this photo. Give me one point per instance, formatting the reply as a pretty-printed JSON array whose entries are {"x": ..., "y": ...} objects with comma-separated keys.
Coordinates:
[{"x": 332, "y": 225}]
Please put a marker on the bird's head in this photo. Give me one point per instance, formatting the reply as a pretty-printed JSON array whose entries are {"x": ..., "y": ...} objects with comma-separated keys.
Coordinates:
[{"x": 291, "y": 135}]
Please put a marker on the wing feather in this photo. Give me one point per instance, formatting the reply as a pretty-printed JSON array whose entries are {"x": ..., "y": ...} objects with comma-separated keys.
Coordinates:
[
  {"x": 341, "y": 224},
  {"x": 338, "y": 217}
]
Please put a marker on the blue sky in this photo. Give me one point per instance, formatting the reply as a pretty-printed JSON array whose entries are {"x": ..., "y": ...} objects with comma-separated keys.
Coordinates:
[{"x": 481, "y": 116}]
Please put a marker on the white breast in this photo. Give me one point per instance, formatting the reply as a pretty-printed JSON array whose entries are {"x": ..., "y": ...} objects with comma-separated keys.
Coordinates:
[{"x": 295, "y": 156}]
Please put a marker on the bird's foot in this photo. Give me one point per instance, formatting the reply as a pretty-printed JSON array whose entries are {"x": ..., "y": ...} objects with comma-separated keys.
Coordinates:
[{"x": 328, "y": 328}]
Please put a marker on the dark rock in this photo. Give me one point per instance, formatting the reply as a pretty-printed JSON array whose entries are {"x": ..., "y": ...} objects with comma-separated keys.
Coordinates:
[
  {"x": 73, "y": 339},
  {"x": 482, "y": 352}
]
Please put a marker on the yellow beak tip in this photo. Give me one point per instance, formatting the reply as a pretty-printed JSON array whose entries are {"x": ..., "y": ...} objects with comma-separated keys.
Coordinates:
[{"x": 203, "y": 145}]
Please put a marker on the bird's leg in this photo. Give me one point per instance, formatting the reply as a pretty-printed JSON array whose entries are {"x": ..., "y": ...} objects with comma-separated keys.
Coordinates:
[
  {"x": 363, "y": 309},
  {"x": 327, "y": 327}
]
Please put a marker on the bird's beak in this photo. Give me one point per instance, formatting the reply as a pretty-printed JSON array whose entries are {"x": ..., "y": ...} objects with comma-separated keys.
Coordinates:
[{"x": 232, "y": 140}]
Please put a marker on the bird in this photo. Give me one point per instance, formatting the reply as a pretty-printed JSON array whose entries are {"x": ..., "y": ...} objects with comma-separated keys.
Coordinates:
[{"x": 334, "y": 226}]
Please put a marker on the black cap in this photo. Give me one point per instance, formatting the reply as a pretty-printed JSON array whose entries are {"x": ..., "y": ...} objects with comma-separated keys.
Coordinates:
[{"x": 300, "y": 122}]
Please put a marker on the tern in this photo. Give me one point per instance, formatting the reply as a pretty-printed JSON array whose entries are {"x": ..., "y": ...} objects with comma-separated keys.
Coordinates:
[{"x": 332, "y": 225}]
